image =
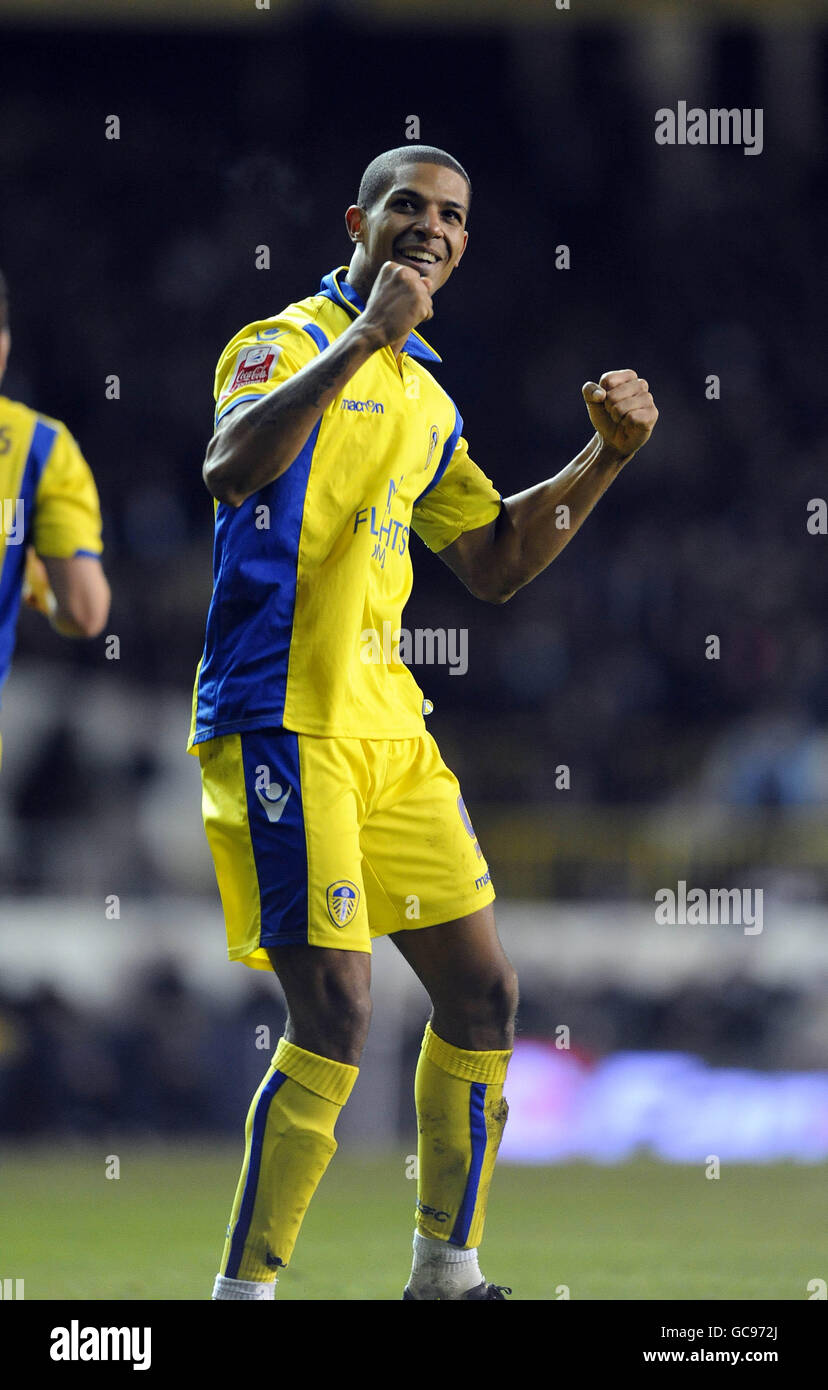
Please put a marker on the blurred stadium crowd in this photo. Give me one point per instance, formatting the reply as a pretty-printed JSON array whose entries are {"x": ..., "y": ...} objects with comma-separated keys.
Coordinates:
[{"x": 165, "y": 1059}]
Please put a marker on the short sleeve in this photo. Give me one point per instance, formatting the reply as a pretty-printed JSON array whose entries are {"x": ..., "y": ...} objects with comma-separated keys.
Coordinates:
[
  {"x": 67, "y": 513},
  {"x": 462, "y": 500},
  {"x": 261, "y": 357}
]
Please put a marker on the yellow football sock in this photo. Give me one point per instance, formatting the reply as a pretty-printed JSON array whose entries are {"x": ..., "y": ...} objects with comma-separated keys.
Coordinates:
[
  {"x": 289, "y": 1142},
  {"x": 460, "y": 1117}
]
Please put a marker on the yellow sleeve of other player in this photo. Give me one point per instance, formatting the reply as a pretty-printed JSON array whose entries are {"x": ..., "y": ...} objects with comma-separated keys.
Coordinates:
[
  {"x": 67, "y": 513},
  {"x": 463, "y": 499},
  {"x": 259, "y": 358}
]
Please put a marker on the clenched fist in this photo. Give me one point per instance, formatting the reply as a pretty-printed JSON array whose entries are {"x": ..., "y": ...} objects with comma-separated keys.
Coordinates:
[
  {"x": 621, "y": 409},
  {"x": 399, "y": 300}
]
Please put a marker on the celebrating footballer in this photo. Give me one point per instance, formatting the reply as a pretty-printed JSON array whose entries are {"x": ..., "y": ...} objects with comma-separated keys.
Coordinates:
[{"x": 326, "y": 802}]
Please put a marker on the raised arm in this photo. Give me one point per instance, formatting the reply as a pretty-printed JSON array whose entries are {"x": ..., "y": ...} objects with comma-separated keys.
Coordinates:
[
  {"x": 496, "y": 560},
  {"x": 256, "y": 443}
]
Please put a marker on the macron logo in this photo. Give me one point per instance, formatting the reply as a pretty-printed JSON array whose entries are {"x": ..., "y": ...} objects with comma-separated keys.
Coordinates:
[{"x": 366, "y": 407}]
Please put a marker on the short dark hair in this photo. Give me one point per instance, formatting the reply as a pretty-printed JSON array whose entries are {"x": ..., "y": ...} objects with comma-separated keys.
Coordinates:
[
  {"x": 380, "y": 173},
  {"x": 4, "y": 302}
]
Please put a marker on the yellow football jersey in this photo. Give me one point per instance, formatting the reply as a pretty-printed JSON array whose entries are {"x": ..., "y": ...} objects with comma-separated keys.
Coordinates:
[
  {"x": 48, "y": 499},
  {"x": 310, "y": 565}
]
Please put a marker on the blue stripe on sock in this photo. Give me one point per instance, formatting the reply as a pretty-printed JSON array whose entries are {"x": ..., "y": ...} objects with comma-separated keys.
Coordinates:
[
  {"x": 251, "y": 1185},
  {"x": 477, "y": 1127}
]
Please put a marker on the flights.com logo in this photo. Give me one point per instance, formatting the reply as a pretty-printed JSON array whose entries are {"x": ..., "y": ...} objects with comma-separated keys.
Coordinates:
[
  {"x": 367, "y": 407},
  {"x": 710, "y": 906},
  {"x": 425, "y": 646},
  {"x": 76, "y": 1343}
]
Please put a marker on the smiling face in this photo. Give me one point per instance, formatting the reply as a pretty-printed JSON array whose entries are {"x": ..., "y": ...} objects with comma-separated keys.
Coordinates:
[{"x": 419, "y": 221}]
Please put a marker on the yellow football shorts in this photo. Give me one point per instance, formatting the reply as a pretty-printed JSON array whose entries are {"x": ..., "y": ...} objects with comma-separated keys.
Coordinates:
[{"x": 332, "y": 841}]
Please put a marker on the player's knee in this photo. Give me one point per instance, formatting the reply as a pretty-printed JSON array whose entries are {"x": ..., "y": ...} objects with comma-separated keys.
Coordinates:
[
  {"x": 502, "y": 997},
  {"x": 343, "y": 1017},
  {"x": 484, "y": 1009}
]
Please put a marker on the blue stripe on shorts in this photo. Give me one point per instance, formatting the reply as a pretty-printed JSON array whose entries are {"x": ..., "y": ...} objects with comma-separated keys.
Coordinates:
[{"x": 272, "y": 780}]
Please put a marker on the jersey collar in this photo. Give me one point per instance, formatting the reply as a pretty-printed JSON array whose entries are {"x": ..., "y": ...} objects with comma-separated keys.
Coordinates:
[{"x": 336, "y": 288}]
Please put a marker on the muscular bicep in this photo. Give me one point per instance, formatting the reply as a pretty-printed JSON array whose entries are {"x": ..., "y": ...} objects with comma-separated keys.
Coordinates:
[
  {"x": 469, "y": 556},
  {"x": 235, "y": 413},
  {"x": 485, "y": 558}
]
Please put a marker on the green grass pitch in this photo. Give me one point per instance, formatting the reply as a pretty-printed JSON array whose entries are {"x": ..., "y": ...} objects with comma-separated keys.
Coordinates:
[{"x": 642, "y": 1230}]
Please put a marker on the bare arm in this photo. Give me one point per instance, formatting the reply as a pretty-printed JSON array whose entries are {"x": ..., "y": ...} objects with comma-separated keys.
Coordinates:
[
  {"x": 496, "y": 560},
  {"x": 257, "y": 444},
  {"x": 73, "y": 593}
]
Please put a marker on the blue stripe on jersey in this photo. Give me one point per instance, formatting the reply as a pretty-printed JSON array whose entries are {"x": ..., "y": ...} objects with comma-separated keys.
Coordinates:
[
  {"x": 280, "y": 850},
  {"x": 253, "y": 1169},
  {"x": 445, "y": 459},
  {"x": 316, "y": 333},
  {"x": 243, "y": 678},
  {"x": 93, "y": 554},
  {"x": 477, "y": 1126},
  {"x": 251, "y": 396},
  {"x": 14, "y": 556}
]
